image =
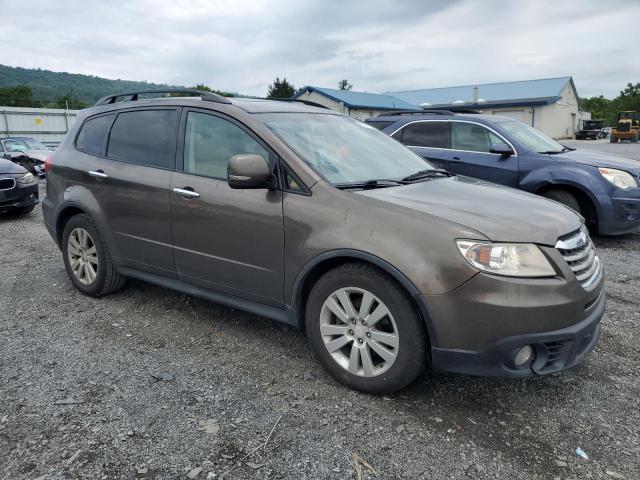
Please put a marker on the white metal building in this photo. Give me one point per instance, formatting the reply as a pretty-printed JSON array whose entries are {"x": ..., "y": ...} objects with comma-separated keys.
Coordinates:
[
  {"x": 45, "y": 124},
  {"x": 549, "y": 105}
]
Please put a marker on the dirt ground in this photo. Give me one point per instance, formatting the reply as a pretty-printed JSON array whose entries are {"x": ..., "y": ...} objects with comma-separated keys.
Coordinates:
[{"x": 149, "y": 383}]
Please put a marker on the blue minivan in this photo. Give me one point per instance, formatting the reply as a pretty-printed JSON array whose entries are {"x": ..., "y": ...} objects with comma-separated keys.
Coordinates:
[{"x": 603, "y": 188}]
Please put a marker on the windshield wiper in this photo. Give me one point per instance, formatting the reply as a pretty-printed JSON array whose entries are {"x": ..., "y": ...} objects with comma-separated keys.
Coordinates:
[
  {"x": 374, "y": 183},
  {"x": 429, "y": 173},
  {"x": 556, "y": 152}
]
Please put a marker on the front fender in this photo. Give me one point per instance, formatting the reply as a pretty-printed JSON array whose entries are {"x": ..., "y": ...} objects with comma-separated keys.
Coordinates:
[{"x": 587, "y": 180}]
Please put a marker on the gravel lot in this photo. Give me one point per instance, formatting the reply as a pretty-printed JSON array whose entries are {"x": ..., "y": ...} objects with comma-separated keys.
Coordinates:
[{"x": 148, "y": 383}]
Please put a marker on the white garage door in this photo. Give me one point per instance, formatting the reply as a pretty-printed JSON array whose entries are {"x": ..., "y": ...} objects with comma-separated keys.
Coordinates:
[{"x": 515, "y": 114}]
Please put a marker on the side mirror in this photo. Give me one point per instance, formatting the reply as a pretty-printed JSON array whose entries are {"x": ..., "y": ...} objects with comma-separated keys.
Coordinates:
[
  {"x": 6, "y": 156},
  {"x": 248, "y": 171},
  {"x": 502, "y": 149}
]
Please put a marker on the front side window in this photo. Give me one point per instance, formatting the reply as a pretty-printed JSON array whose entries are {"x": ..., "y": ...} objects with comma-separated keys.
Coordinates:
[
  {"x": 425, "y": 134},
  {"x": 145, "y": 137},
  {"x": 34, "y": 144},
  {"x": 211, "y": 141},
  {"x": 473, "y": 137},
  {"x": 342, "y": 149},
  {"x": 92, "y": 138}
]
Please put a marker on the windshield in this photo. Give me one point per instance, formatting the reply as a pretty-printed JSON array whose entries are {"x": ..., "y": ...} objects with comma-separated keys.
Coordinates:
[
  {"x": 592, "y": 125},
  {"x": 34, "y": 144},
  {"x": 532, "y": 138},
  {"x": 342, "y": 149}
]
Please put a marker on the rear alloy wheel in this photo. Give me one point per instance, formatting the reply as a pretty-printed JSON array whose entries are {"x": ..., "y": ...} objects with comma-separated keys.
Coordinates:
[
  {"x": 87, "y": 258},
  {"x": 83, "y": 256},
  {"x": 365, "y": 329}
]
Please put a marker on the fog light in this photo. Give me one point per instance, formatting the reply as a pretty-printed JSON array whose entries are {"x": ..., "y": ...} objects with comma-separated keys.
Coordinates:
[{"x": 524, "y": 355}]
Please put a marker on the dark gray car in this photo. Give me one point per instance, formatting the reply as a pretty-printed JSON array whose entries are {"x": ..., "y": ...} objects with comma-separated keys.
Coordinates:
[{"x": 318, "y": 220}]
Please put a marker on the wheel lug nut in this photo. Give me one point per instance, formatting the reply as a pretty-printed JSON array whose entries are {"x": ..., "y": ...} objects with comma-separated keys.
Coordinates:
[
  {"x": 368, "y": 334},
  {"x": 360, "y": 340},
  {"x": 350, "y": 332},
  {"x": 353, "y": 320}
]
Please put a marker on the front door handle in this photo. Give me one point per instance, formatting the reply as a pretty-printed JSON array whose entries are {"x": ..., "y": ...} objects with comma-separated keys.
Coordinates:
[
  {"x": 98, "y": 174},
  {"x": 457, "y": 159},
  {"x": 186, "y": 192}
]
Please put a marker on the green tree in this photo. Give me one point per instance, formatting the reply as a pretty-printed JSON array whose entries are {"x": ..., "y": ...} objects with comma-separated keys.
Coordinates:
[
  {"x": 205, "y": 88},
  {"x": 629, "y": 98},
  {"x": 344, "y": 85},
  {"x": 18, "y": 96},
  {"x": 601, "y": 108},
  {"x": 69, "y": 101},
  {"x": 280, "y": 89}
]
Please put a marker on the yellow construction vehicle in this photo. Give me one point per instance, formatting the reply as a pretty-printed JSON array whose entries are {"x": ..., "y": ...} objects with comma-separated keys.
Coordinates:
[{"x": 627, "y": 127}]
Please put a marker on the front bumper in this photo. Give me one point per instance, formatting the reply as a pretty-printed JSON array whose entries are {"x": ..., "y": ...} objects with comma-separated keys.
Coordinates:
[
  {"x": 479, "y": 327},
  {"x": 553, "y": 351},
  {"x": 19, "y": 197},
  {"x": 620, "y": 213}
]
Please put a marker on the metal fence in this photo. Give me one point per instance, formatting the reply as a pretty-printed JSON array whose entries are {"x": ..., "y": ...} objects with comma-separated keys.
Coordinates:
[{"x": 48, "y": 125}]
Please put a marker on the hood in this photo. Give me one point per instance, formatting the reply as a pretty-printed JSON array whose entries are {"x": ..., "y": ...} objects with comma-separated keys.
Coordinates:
[
  {"x": 599, "y": 159},
  {"x": 38, "y": 154},
  {"x": 8, "y": 167},
  {"x": 500, "y": 213}
]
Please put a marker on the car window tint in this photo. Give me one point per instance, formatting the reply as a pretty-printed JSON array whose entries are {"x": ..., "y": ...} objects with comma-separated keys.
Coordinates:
[
  {"x": 147, "y": 137},
  {"x": 426, "y": 134},
  {"x": 92, "y": 138},
  {"x": 211, "y": 141},
  {"x": 471, "y": 137}
]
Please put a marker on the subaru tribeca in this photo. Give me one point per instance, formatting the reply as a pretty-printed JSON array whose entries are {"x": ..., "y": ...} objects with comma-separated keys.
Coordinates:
[{"x": 318, "y": 220}]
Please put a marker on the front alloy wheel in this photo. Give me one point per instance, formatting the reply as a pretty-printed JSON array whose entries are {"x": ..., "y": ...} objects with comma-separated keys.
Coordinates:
[
  {"x": 359, "y": 332},
  {"x": 83, "y": 256},
  {"x": 365, "y": 329}
]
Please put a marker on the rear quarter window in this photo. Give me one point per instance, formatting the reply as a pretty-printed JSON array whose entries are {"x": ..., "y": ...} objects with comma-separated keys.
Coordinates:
[
  {"x": 93, "y": 135},
  {"x": 425, "y": 134},
  {"x": 145, "y": 137}
]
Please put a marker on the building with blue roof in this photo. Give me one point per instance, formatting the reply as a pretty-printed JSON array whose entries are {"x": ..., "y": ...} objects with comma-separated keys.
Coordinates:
[
  {"x": 360, "y": 105},
  {"x": 548, "y": 104}
]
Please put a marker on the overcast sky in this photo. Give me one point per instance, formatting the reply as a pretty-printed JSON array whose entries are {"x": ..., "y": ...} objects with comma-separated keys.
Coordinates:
[{"x": 378, "y": 45}]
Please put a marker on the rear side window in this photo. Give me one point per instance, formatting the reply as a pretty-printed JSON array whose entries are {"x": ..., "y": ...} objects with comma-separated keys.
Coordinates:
[
  {"x": 146, "y": 137},
  {"x": 380, "y": 125},
  {"x": 473, "y": 138},
  {"x": 211, "y": 141},
  {"x": 92, "y": 138},
  {"x": 426, "y": 134}
]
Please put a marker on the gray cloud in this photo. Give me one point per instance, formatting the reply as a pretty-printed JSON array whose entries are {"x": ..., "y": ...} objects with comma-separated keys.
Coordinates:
[{"x": 378, "y": 45}]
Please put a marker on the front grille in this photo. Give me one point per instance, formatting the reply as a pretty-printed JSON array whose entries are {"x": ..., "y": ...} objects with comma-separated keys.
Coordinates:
[
  {"x": 7, "y": 183},
  {"x": 624, "y": 126},
  {"x": 580, "y": 254}
]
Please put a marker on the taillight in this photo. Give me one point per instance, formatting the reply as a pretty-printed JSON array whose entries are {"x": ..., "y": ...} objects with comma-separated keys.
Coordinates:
[{"x": 48, "y": 163}]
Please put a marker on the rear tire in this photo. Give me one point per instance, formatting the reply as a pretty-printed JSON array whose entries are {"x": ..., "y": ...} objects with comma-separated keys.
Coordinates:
[
  {"x": 87, "y": 258},
  {"x": 564, "y": 197},
  {"x": 361, "y": 363}
]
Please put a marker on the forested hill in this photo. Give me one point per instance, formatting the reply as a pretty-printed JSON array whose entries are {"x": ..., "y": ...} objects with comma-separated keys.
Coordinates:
[{"x": 47, "y": 86}]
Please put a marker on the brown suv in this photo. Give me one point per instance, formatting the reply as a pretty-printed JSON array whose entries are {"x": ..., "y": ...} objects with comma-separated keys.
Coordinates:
[{"x": 318, "y": 220}]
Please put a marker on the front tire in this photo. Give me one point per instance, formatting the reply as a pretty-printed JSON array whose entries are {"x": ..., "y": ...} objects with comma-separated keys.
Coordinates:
[
  {"x": 365, "y": 329},
  {"x": 87, "y": 258},
  {"x": 564, "y": 197}
]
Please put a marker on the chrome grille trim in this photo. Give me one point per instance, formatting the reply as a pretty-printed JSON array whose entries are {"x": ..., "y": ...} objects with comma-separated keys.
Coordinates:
[{"x": 580, "y": 255}]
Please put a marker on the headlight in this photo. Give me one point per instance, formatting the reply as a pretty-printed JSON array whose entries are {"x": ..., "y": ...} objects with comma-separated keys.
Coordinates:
[
  {"x": 619, "y": 178},
  {"x": 509, "y": 259},
  {"x": 26, "y": 179}
]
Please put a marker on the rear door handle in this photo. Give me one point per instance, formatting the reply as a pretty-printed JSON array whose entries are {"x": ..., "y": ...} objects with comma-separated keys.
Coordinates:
[
  {"x": 98, "y": 174},
  {"x": 186, "y": 192}
]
